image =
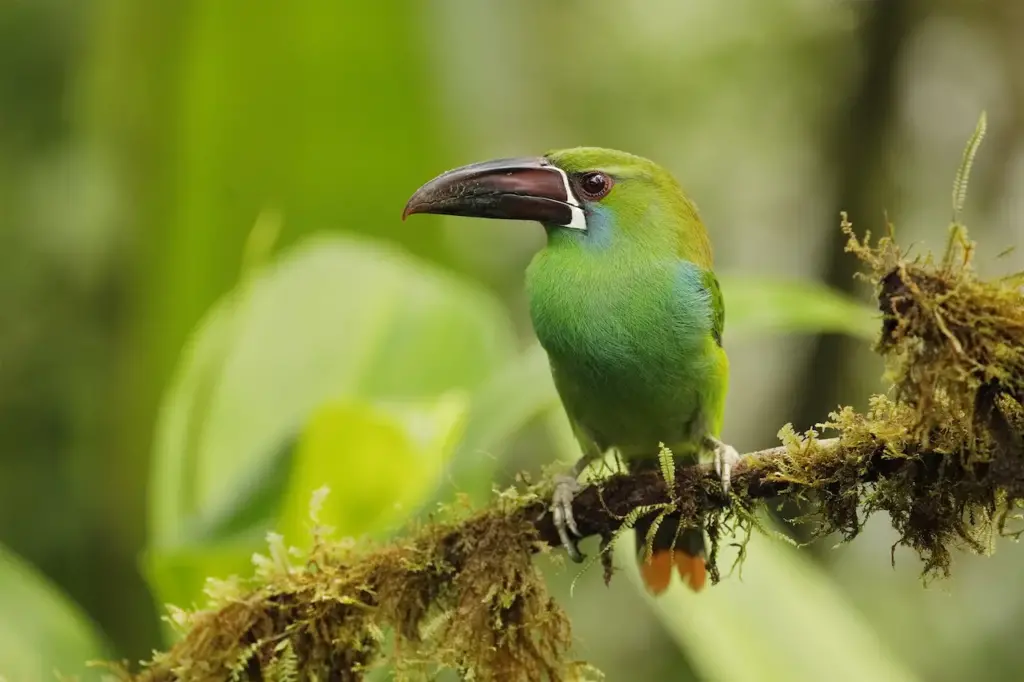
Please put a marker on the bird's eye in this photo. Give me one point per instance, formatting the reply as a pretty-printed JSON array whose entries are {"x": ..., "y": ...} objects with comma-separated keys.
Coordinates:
[{"x": 595, "y": 185}]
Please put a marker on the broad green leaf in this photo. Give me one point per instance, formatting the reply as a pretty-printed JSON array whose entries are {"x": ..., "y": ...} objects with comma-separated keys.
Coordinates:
[
  {"x": 41, "y": 630},
  {"x": 757, "y": 306},
  {"x": 336, "y": 320},
  {"x": 783, "y": 621},
  {"x": 379, "y": 463}
]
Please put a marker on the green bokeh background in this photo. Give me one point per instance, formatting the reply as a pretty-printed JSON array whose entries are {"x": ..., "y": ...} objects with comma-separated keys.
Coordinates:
[{"x": 209, "y": 306}]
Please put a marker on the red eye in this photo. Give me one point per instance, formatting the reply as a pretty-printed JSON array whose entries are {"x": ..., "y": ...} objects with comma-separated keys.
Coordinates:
[{"x": 595, "y": 185}]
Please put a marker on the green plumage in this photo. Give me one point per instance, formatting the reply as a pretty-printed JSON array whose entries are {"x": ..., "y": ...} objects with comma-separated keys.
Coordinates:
[{"x": 631, "y": 315}]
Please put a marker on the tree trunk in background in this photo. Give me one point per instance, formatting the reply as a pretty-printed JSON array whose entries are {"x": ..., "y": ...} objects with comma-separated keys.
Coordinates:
[
  {"x": 214, "y": 112},
  {"x": 857, "y": 146},
  {"x": 1004, "y": 21}
]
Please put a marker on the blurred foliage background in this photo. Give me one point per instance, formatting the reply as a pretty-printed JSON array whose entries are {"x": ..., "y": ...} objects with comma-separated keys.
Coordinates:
[{"x": 209, "y": 306}]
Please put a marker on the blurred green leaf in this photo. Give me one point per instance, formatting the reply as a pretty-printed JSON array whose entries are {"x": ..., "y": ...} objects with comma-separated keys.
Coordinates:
[
  {"x": 335, "y": 321},
  {"x": 336, "y": 317},
  {"x": 41, "y": 630},
  {"x": 380, "y": 464},
  {"x": 784, "y": 621},
  {"x": 514, "y": 396},
  {"x": 802, "y": 306},
  {"x": 521, "y": 392}
]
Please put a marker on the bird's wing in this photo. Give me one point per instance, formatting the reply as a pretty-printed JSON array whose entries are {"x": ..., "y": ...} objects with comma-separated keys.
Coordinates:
[{"x": 717, "y": 305}]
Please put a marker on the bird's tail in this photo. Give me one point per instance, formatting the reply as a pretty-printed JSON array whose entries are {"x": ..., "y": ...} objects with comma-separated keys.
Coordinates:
[{"x": 672, "y": 548}]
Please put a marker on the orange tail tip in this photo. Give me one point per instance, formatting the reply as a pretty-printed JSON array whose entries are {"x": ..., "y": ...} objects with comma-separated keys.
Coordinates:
[
  {"x": 692, "y": 569},
  {"x": 656, "y": 571}
]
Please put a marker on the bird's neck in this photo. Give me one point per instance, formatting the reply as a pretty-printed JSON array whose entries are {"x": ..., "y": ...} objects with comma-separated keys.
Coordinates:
[{"x": 645, "y": 232}]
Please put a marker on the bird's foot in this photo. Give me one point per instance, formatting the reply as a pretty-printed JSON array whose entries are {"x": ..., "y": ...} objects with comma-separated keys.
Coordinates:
[
  {"x": 566, "y": 488},
  {"x": 726, "y": 457}
]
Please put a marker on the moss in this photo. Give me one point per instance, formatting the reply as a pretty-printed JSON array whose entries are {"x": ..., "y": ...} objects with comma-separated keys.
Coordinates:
[
  {"x": 943, "y": 456},
  {"x": 876, "y": 464},
  {"x": 950, "y": 336},
  {"x": 460, "y": 593}
]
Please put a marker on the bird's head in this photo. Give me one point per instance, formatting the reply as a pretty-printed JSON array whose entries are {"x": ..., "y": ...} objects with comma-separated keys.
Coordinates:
[{"x": 590, "y": 196}]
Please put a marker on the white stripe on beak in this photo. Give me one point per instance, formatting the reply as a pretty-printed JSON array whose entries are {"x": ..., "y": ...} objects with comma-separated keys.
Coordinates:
[{"x": 579, "y": 219}]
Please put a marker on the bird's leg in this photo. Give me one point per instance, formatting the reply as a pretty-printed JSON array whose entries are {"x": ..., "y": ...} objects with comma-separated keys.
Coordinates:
[
  {"x": 566, "y": 487},
  {"x": 726, "y": 458}
]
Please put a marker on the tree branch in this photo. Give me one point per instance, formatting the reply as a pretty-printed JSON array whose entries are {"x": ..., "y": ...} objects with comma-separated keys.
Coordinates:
[{"x": 600, "y": 508}]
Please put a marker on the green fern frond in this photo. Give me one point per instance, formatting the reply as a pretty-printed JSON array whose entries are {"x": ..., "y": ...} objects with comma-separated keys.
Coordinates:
[
  {"x": 668, "y": 468},
  {"x": 963, "y": 174},
  {"x": 239, "y": 667},
  {"x": 628, "y": 522},
  {"x": 958, "y": 242},
  {"x": 285, "y": 665},
  {"x": 653, "y": 530},
  {"x": 643, "y": 510}
]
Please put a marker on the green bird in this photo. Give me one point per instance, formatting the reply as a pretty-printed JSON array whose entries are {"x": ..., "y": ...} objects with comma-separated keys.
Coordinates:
[{"x": 626, "y": 304}]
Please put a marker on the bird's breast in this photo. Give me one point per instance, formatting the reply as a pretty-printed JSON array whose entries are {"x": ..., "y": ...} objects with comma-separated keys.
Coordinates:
[
  {"x": 616, "y": 316},
  {"x": 627, "y": 348}
]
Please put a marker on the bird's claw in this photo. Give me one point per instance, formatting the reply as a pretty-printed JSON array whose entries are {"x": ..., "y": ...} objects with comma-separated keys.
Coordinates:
[
  {"x": 566, "y": 488},
  {"x": 726, "y": 457}
]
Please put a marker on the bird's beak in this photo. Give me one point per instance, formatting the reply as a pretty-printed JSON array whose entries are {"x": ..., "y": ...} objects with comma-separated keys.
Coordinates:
[{"x": 512, "y": 189}]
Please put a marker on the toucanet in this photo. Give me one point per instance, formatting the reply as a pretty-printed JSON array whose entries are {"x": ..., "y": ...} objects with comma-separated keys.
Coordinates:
[{"x": 626, "y": 304}]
